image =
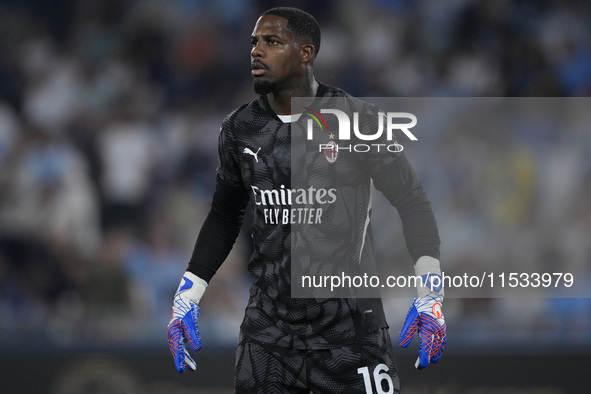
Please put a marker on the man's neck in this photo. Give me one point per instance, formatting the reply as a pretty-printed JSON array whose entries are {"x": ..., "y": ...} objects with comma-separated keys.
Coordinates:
[{"x": 280, "y": 101}]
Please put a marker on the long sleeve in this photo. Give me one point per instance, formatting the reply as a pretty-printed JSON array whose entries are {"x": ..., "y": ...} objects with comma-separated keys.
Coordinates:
[
  {"x": 219, "y": 231},
  {"x": 223, "y": 223},
  {"x": 401, "y": 186}
]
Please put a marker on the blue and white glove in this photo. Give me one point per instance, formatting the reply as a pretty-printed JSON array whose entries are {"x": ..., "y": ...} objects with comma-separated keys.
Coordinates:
[
  {"x": 183, "y": 324},
  {"x": 425, "y": 314}
]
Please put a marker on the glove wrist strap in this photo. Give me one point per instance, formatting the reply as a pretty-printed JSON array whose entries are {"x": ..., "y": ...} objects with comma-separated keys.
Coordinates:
[
  {"x": 192, "y": 287},
  {"x": 429, "y": 270}
]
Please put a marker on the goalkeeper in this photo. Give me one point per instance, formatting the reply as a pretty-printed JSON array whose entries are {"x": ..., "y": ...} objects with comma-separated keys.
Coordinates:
[{"x": 304, "y": 344}]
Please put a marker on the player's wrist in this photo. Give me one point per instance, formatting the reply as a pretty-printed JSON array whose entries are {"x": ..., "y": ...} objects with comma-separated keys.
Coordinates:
[
  {"x": 191, "y": 287},
  {"x": 431, "y": 285}
]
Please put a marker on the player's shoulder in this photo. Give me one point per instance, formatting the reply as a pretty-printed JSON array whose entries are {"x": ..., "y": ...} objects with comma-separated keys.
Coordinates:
[
  {"x": 352, "y": 103},
  {"x": 327, "y": 90},
  {"x": 246, "y": 115}
]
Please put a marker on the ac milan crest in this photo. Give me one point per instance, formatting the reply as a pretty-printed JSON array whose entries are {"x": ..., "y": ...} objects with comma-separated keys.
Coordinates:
[{"x": 331, "y": 151}]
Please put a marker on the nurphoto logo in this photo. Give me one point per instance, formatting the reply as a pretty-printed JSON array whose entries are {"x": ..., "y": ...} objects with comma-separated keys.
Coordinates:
[{"x": 401, "y": 121}]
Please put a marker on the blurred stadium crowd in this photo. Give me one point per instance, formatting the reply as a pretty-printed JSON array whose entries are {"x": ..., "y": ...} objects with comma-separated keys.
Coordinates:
[{"x": 109, "y": 113}]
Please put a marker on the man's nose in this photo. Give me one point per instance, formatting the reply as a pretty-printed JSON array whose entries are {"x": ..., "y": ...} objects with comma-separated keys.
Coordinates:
[{"x": 257, "y": 50}]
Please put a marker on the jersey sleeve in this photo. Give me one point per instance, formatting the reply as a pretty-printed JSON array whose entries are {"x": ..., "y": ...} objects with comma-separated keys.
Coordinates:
[
  {"x": 393, "y": 175},
  {"x": 228, "y": 170},
  {"x": 222, "y": 225},
  {"x": 401, "y": 186}
]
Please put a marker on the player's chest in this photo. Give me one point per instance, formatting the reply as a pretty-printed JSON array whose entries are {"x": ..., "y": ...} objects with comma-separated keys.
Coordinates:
[
  {"x": 273, "y": 157},
  {"x": 264, "y": 156}
]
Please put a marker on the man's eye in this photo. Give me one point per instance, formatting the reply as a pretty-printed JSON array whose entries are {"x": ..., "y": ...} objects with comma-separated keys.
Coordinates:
[{"x": 271, "y": 41}]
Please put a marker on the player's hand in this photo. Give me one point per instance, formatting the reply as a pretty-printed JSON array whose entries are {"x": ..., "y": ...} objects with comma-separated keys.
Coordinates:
[
  {"x": 425, "y": 315},
  {"x": 183, "y": 324}
]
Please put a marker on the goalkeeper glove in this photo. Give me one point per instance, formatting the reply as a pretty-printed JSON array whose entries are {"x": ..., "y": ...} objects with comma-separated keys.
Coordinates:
[
  {"x": 425, "y": 314},
  {"x": 183, "y": 324}
]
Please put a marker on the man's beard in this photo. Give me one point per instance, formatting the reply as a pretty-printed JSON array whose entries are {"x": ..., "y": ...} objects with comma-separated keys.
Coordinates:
[{"x": 264, "y": 87}]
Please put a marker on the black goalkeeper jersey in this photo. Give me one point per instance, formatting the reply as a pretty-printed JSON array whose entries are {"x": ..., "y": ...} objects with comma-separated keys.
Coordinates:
[{"x": 311, "y": 206}]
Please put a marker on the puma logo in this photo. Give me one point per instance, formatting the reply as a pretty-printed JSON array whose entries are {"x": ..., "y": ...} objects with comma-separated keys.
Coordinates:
[{"x": 250, "y": 152}]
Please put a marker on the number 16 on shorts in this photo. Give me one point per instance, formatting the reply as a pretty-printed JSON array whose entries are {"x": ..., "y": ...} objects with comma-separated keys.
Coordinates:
[{"x": 380, "y": 378}]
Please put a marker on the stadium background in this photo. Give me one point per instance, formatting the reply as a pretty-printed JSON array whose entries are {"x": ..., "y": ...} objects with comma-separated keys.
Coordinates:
[{"x": 109, "y": 113}]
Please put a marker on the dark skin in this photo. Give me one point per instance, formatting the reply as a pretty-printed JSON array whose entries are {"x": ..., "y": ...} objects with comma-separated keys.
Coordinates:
[{"x": 279, "y": 58}]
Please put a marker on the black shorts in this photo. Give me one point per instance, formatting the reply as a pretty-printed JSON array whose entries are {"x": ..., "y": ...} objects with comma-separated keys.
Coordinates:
[{"x": 355, "y": 368}]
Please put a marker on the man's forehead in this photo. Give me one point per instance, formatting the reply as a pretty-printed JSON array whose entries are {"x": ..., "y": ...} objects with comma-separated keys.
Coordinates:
[{"x": 271, "y": 24}]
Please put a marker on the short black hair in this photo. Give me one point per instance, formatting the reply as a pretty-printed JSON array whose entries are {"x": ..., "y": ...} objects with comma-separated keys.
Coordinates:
[{"x": 302, "y": 24}]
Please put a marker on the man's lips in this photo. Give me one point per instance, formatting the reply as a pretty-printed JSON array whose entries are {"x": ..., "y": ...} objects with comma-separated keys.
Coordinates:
[{"x": 258, "y": 69}]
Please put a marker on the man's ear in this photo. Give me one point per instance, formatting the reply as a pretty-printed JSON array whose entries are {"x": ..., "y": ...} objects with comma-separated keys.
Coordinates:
[{"x": 308, "y": 53}]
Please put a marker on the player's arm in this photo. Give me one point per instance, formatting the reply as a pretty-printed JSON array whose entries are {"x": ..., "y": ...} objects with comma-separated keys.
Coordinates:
[
  {"x": 219, "y": 231},
  {"x": 214, "y": 242},
  {"x": 400, "y": 184},
  {"x": 393, "y": 175}
]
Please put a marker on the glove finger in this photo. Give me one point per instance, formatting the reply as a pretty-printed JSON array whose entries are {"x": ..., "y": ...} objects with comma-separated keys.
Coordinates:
[
  {"x": 432, "y": 344},
  {"x": 189, "y": 362},
  {"x": 409, "y": 328},
  {"x": 436, "y": 353},
  {"x": 438, "y": 345},
  {"x": 175, "y": 344},
  {"x": 436, "y": 359},
  {"x": 425, "y": 350},
  {"x": 190, "y": 328}
]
